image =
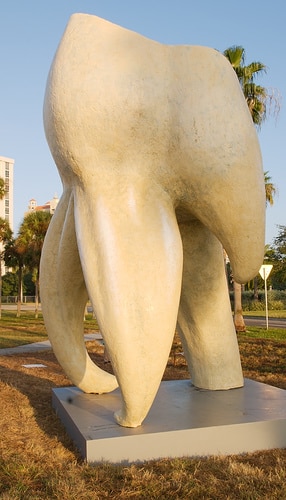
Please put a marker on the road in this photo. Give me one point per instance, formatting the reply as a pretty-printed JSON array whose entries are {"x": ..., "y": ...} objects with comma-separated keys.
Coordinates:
[{"x": 261, "y": 321}]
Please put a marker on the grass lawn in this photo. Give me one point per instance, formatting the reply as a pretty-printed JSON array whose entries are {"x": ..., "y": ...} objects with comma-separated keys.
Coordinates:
[
  {"x": 39, "y": 461},
  {"x": 26, "y": 329},
  {"x": 19, "y": 331}
]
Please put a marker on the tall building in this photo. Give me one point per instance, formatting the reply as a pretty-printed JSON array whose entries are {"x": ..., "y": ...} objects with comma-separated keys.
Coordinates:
[{"x": 7, "y": 203}]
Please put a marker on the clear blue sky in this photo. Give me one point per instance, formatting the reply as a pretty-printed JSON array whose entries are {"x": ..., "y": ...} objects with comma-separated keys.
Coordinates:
[{"x": 31, "y": 31}]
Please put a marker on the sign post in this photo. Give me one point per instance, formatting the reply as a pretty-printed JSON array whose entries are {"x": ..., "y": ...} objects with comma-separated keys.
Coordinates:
[{"x": 264, "y": 272}]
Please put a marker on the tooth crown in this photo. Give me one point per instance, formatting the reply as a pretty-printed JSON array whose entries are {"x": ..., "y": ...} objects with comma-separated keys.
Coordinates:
[{"x": 160, "y": 161}]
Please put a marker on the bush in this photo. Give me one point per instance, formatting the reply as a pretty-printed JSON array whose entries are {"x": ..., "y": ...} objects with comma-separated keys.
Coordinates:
[
  {"x": 276, "y": 305},
  {"x": 277, "y": 295},
  {"x": 276, "y": 300},
  {"x": 9, "y": 284},
  {"x": 253, "y": 305}
]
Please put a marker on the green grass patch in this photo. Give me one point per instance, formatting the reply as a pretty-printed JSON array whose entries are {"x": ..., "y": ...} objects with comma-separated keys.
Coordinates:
[
  {"x": 20, "y": 331},
  {"x": 27, "y": 329},
  {"x": 257, "y": 332}
]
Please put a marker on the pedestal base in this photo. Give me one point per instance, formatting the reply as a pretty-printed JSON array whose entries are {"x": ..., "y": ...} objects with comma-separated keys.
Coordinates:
[{"x": 183, "y": 421}]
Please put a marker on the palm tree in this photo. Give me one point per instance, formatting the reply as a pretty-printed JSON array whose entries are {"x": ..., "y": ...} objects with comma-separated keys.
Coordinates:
[
  {"x": 5, "y": 236},
  {"x": 31, "y": 237},
  {"x": 14, "y": 257},
  {"x": 270, "y": 189},
  {"x": 255, "y": 95},
  {"x": 259, "y": 100}
]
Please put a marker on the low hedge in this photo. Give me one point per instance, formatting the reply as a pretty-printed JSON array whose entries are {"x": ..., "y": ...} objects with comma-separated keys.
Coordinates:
[{"x": 276, "y": 300}]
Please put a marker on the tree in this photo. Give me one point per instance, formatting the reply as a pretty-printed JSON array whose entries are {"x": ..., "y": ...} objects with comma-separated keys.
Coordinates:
[
  {"x": 31, "y": 237},
  {"x": 28, "y": 284},
  {"x": 2, "y": 188},
  {"x": 259, "y": 100},
  {"x": 9, "y": 284},
  {"x": 3, "y": 233},
  {"x": 277, "y": 257},
  {"x": 270, "y": 189},
  {"x": 5, "y": 236},
  {"x": 14, "y": 257}
]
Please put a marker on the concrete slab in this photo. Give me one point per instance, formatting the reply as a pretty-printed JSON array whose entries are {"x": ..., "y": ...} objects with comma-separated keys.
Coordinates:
[{"x": 183, "y": 421}]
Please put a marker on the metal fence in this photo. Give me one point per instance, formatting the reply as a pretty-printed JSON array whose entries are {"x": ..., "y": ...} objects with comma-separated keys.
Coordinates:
[{"x": 12, "y": 299}]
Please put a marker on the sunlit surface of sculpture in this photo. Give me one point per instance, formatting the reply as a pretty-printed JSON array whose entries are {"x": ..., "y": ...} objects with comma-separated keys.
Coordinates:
[{"x": 161, "y": 169}]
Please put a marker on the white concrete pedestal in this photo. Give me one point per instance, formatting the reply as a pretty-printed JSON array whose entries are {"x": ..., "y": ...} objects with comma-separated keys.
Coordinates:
[{"x": 183, "y": 421}]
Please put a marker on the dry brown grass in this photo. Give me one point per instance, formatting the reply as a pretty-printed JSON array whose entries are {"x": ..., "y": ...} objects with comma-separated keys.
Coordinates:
[
  {"x": 39, "y": 461},
  {"x": 264, "y": 360}
]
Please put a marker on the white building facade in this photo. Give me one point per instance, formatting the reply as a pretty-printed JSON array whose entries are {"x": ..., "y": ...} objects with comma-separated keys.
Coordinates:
[{"x": 7, "y": 203}]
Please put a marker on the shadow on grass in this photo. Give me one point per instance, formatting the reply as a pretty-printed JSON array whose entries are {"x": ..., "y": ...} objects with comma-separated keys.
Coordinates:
[{"x": 37, "y": 384}]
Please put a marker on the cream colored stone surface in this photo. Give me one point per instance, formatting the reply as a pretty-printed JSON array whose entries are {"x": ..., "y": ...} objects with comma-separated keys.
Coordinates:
[{"x": 161, "y": 167}]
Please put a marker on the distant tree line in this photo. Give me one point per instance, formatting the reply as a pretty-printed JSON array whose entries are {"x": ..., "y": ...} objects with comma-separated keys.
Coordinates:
[
  {"x": 22, "y": 255},
  {"x": 10, "y": 285}
]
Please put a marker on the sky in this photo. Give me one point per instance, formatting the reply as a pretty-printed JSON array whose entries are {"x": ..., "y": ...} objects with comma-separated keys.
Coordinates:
[{"x": 31, "y": 31}]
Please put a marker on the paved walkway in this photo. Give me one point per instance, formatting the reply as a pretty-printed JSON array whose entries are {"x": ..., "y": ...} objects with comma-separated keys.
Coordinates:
[{"x": 41, "y": 346}]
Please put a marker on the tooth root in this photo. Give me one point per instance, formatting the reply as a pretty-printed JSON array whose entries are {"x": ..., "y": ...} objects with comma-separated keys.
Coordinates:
[
  {"x": 205, "y": 320},
  {"x": 133, "y": 271},
  {"x": 64, "y": 298}
]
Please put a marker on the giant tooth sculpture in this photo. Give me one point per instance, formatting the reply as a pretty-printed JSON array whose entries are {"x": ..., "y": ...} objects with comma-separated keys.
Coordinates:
[{"x": 161, "y": 169}]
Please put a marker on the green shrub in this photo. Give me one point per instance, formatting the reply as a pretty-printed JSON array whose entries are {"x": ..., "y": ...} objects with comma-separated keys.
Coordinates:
[
  {"x": 276, "y": 300},
  {"x": 276, "y": 305},
  {"x": 277, "y": 295},
  {"x": 253, "y": 305}
]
